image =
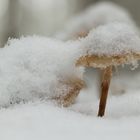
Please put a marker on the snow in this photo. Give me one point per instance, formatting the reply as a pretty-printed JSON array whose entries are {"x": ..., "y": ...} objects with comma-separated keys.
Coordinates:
[
  {"x": 36, "y": 67},
  {"x": 42, "y": 120},
  {"x": 98, "y": 14},
  {"x": 111, "y": 39},
  {"x": 40, "y": 68},
  {"x": 32, "y": 67}
]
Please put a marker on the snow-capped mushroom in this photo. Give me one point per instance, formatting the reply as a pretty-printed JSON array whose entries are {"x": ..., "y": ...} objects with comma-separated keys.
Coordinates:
[
  {"x": 109, "y": 46},
  {"x": 39, "y": 68}
]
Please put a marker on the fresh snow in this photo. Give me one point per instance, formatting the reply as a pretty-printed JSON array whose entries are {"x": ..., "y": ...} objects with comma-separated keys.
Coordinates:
[
  {"x": 42, "y": 120},
  {"x": 111, "y": 39},
  {"x": 34, "y": 67},
  {"x": 39, "y": 68}
]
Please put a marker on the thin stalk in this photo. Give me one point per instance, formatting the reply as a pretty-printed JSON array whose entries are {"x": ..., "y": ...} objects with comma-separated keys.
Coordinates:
[{"x": 106, "y": 78}]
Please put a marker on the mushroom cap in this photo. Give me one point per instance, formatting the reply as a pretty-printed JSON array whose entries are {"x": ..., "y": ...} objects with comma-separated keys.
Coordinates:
[
  {"x": 105, "y": 61},
  {"x": 111, "y": 44}
]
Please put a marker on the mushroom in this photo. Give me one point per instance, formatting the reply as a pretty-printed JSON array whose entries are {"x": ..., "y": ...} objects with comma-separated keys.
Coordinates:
[
  {"x": 106, "y": 47},
  {"x": 68, "y": 91},
  {"x": 94, "y": 16},
  {"x": 39, "y": 68}
]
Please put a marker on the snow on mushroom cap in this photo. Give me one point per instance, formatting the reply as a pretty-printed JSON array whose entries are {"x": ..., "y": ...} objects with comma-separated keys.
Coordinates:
[
  {"x": 31, "y": 67},
  {"x": 110, "y": 40},
  {"x": 99, "y": 14}
]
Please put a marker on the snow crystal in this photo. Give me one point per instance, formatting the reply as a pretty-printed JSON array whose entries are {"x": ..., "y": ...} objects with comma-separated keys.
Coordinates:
[
  {"x": 33, "y": 67},
  {"x": 96, "y": 15},
  {"x": 111, "y": 39}
]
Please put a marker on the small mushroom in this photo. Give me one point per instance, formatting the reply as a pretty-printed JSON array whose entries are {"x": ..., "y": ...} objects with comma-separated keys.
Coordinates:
[
  {"x": 109, "y": 46},
  {"x": 69, "y": 90}
]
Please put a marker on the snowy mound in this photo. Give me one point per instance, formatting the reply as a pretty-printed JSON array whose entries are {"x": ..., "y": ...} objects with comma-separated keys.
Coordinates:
[
  {"x": 34, "y": 67},
  {"x": 111, "y": 39},
  {"x": 39, "y": 67},
  {"x": 96, "y": 15}
]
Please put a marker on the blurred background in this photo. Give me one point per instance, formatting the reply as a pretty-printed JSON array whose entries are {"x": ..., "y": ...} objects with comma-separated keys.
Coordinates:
[{"x": 46, "y": 17}]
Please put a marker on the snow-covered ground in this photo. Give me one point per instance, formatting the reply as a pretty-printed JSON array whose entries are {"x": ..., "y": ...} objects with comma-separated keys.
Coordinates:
[
  {"x": 43, "y": 120},
  {"x": 29, "y": 70}
]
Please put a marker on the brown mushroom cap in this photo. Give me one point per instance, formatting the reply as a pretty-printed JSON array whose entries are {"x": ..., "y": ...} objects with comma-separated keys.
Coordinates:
[
  {"x": 105, "y": 61},
  {"x": 110, "y": 45}
]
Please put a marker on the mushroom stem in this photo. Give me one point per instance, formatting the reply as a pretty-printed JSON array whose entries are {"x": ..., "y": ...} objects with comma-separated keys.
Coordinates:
[{"x": 107, "y": 74}]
